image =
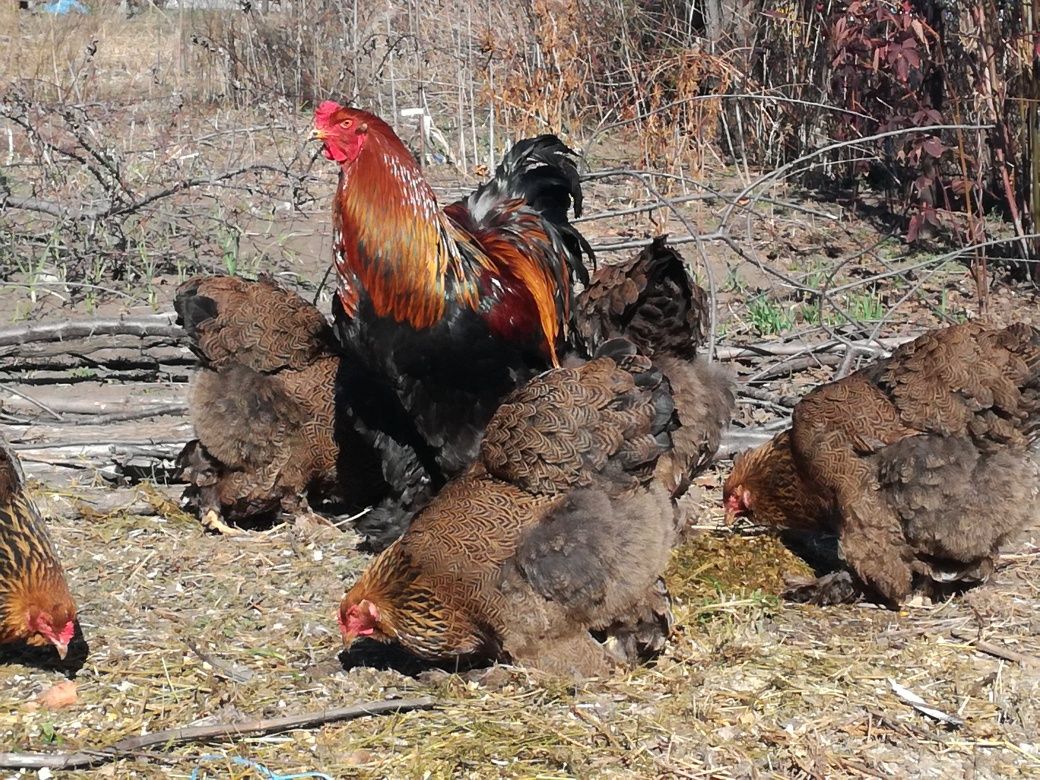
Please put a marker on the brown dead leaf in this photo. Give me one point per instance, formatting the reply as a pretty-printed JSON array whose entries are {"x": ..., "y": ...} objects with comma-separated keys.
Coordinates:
[{"x": 359, "y": 758}]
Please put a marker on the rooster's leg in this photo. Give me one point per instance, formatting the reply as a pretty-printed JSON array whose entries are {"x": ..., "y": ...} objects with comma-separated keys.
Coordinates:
[{"x": 212, "y": 521}]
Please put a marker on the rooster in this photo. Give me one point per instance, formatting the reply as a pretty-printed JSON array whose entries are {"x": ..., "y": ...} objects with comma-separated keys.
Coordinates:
[
  {"x": 555, "y": 538},
  {"x": 263, "y": 405},
  {"x": 441, "y": 313},
  {"x": 444, "y": 312},
  {"x": 923, "y": 463},
  {"x": 36, "y": 607}
]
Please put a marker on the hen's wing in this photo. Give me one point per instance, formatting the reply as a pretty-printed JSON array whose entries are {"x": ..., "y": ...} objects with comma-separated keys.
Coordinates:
[
  {"x": 608, "y": 420},
  {"x": 260, "y": 325},
  {"x": 967, "y": 380}
]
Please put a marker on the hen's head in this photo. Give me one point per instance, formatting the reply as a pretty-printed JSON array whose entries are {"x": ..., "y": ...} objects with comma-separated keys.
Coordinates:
[
  {"x": 767, "y": 486},
  {"x": 344, "y": 132},
  {"x": 51, "y": 619},
  {"x": 737, "y": 498},
  {"x": 360, "y": 617}
]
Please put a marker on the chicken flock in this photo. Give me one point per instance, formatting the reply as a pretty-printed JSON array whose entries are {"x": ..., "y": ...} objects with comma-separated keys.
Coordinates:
[{"x": 521, "y": 426}]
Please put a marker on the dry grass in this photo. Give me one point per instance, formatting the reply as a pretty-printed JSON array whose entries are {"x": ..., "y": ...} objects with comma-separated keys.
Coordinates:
[{"x": 749, "y": 686}]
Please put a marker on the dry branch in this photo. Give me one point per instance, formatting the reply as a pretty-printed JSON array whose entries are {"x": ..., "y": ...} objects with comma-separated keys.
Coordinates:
[
  {"x": 996, "y": 650},
  {"x": 149, "y": 325},
  {"x": 170, "y": 737},
  {"x": 792, "y": 348},
  {"x": 122, "y": 348}
]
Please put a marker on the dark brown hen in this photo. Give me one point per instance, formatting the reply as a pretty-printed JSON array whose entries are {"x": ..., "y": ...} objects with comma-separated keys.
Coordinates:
[
  {"x": 36, "y": 607},
  {"x": 262, "y": 403},
  {"x": 556, "y": 536},
  {"x": 922, "y": 462},
  {"x": 653, "y": 301}
]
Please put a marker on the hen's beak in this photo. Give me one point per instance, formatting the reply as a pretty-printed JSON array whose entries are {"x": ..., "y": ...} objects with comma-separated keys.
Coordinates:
[
  {"x": 62, "y": 648},
  {"x": 318, "y": 135},
  {"x": 733, "y": 505}
]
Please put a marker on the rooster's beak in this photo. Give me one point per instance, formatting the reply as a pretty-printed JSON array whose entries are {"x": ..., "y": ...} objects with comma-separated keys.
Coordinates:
[
  {"x": 318, "y": 135},
  {"x": 62, "y": 648}
]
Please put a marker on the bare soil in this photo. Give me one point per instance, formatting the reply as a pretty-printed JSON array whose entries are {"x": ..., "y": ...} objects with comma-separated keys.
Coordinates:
[{"x": 184, "y": 627}]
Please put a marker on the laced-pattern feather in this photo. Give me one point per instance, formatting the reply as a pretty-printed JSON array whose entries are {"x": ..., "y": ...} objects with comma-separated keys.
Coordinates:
[
  {"x": 30, "y": 573},
  {"x": 262, "y": 403},
  {"x": 557, "y": 531},
  {"x": 924, "y": 457}
]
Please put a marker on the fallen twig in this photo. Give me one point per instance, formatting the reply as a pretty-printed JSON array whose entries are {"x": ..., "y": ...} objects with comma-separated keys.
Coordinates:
[
  {"x": 157, "y": 410},
  {"x": 790, "y": 348},
  {"x": 149, "y": 325},
  {"x": 996, "y": 650},
  {"x": 33, "y": 401},
  {"x": 229, "y": 671},
  {"x": 170, "y": 737}
]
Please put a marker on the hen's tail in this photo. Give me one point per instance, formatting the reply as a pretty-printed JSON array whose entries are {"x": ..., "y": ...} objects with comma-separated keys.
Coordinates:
[
  {"x": 652, "y": 300},
  {"x": 260, "y": 325}
]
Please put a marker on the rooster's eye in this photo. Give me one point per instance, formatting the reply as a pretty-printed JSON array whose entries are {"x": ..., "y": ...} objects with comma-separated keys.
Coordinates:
[{"x": 347, "y": 122}]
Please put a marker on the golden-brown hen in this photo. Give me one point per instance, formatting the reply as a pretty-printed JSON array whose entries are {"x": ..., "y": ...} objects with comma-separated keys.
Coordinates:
[
  {"x": 262, "y": 403},
  {"x": 35, "y": 604},
  {"x": 557, "y": 535},
  {"x": 921, "y": 462}
]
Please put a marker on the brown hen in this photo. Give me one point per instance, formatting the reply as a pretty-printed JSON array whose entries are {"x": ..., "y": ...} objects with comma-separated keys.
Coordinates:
[
  {"x": 923, "y": 463},
  {"x": 653, "y": 301},
  {"x": 262, "y": 403},
  {"x": 35, "y": 604},
  {"x": 556, "y": 537}
]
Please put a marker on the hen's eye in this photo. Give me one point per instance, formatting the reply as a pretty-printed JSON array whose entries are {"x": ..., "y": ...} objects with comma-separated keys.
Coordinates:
[{"x": 346, "y": 123}]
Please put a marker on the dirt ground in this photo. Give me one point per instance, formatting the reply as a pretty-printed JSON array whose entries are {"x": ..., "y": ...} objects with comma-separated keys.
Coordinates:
[{"x": 186, "y": 628}]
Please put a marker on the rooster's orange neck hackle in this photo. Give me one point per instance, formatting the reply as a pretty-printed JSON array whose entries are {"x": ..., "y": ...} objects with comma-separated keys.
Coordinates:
[{"x": 392, "y": 240}]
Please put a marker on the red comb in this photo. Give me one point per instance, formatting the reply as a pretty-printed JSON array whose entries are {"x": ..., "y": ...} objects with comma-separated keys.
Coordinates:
[{"x": 323, "y": 113}]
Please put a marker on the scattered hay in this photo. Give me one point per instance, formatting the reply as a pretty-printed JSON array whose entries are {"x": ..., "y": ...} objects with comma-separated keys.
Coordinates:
[{"x": 187, "y": 628}]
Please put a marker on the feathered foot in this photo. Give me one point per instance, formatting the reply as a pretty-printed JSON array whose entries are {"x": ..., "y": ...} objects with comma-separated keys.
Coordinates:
[
  {"x": 838, "y": 587},
  {"x": 212, "y": 521},
  {"x": 643, "y": 636},
  {"x": 310, "y": 521}
]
